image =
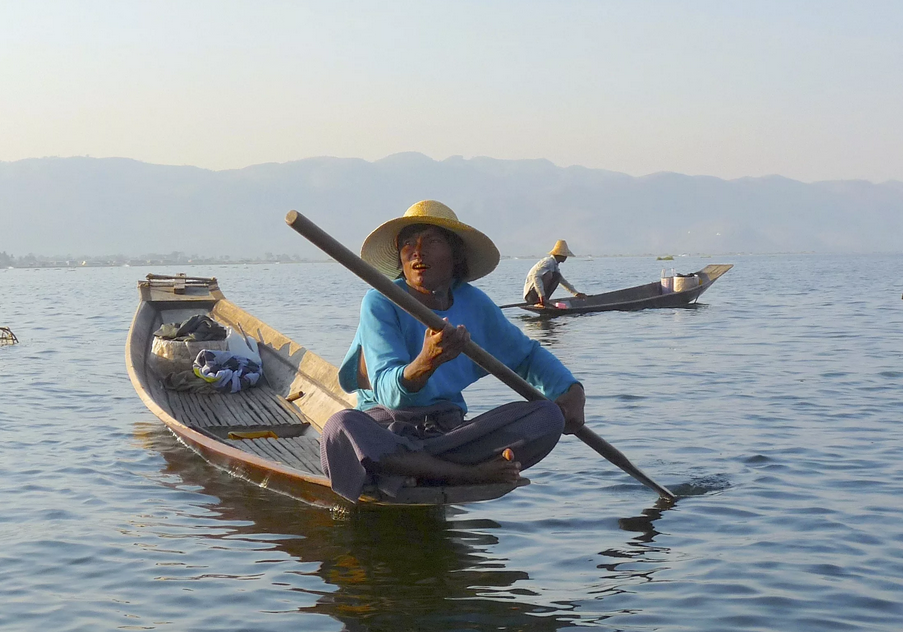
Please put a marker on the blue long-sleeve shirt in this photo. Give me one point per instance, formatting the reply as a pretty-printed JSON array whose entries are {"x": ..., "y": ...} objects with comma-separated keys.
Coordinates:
[{"x": 390, "y": 339}]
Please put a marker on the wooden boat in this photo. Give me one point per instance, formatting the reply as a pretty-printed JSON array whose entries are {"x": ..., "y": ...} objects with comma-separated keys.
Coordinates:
[
  {"x": 650, "y": 295},
  {"x": 269, "y": 434}
]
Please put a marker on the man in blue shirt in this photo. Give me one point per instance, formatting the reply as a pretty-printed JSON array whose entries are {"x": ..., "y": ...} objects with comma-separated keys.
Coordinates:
[{"x": 409, "y": 379}]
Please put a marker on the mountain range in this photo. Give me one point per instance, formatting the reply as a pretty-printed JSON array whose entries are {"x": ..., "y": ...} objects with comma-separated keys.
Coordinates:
[{"x": 81, "y": 205}]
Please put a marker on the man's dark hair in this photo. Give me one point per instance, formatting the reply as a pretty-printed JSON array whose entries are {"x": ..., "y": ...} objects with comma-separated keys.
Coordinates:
[{"x": 460, "y": 270}]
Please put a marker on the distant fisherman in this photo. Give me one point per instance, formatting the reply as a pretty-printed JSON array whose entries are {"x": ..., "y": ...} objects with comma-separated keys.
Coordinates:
[{"x": 545, "y": 276}]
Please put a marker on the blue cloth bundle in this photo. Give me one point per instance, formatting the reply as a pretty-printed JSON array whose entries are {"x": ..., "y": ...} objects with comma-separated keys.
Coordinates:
[{"x": 226, "y": 371}]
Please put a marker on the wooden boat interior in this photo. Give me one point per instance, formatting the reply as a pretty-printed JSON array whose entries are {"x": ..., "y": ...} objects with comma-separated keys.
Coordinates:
[{"x": 268, "y": 434}]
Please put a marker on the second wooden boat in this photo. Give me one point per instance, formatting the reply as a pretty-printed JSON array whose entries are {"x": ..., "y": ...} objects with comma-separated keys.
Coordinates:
[
  {"x": 268, "y": 434},
  {"x": 650, "y": 295}
]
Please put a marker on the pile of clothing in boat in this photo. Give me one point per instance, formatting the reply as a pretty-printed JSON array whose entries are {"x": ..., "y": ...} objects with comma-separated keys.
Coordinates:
[
  {"x": 226, "y": 371},
  {"x": 229, "y": 369},
  {"x": 196, "y": 328}
]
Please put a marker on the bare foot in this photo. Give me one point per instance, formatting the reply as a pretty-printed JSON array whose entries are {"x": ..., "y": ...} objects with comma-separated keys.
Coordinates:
[
  {"x": 425, "y": 466},
  {"x": 497, "y": 470}
]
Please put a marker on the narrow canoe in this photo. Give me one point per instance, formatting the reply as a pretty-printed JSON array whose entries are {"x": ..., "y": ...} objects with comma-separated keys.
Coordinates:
[
  {"x": 650, "y": 295},
  {"x": 298, "y": 393}
]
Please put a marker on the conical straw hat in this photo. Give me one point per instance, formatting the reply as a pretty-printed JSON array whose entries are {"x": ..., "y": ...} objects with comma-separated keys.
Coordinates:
[
  {"x": 381, "y": 250},
  {"x": 561, "y": 248}
]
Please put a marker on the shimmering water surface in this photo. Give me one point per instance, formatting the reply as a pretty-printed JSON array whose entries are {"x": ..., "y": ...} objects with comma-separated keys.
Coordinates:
[{"x": 776, "y": 406}]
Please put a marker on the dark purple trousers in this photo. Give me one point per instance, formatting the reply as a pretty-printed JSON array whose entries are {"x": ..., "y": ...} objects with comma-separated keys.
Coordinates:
[{"x": 354, "y": 440}]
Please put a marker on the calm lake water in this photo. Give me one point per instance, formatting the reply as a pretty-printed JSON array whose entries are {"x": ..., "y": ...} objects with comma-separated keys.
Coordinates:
[{"x": 777, "y": 405}]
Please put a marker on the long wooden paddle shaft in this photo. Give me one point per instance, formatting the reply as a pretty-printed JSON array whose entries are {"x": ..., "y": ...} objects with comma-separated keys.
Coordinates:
[{"x": 425, "y": 315}]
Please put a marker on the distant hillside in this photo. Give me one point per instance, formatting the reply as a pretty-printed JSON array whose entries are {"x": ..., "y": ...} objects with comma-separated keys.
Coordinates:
[{"x": 60, "y": 206}]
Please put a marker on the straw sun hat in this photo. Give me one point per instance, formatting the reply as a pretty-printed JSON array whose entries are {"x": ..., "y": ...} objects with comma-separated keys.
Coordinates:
[
  {"x": 561, "y": 248},
  {"x": 381, "y": 251}
]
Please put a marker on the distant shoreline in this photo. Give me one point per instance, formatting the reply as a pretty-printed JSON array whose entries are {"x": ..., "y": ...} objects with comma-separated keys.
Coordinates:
[{"x": 32, "y": 262}]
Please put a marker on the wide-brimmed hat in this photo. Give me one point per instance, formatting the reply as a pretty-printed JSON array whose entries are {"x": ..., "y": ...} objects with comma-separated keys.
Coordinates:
[
  {"x": 380, "y": 248},
  {"x": 561, "y": 248}
]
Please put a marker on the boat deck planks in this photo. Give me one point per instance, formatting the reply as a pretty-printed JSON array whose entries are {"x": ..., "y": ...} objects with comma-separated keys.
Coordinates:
[
  {"x": 307, "y": 449},
  {"x": 255, "y": 408},
  {"x": 288, "y": 451}
]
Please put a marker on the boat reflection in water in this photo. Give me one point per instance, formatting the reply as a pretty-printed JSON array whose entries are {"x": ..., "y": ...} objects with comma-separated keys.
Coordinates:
[
  {"x": 545, "y": 330},
  {"x": 391, "y": 568}
]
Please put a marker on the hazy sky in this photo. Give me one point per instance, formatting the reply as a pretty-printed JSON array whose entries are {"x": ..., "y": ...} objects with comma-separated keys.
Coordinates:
[{"x": 809, "y": 90}]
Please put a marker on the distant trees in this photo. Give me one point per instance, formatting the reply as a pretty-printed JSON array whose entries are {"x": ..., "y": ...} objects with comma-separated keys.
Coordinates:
[{"x": 175, "y": 258}]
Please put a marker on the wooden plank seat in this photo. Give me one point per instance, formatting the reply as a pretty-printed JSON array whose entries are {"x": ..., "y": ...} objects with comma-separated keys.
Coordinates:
[{"x": 249, "y": 413}]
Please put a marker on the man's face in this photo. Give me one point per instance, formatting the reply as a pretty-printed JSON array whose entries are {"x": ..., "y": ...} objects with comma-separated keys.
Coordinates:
[{"x": 427, "y": 259}]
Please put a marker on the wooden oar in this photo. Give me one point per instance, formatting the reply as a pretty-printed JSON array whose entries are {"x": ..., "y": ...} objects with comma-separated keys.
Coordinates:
[
  {"x": 421, "y": 312},
  {"x": 514, "y": 305}
]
